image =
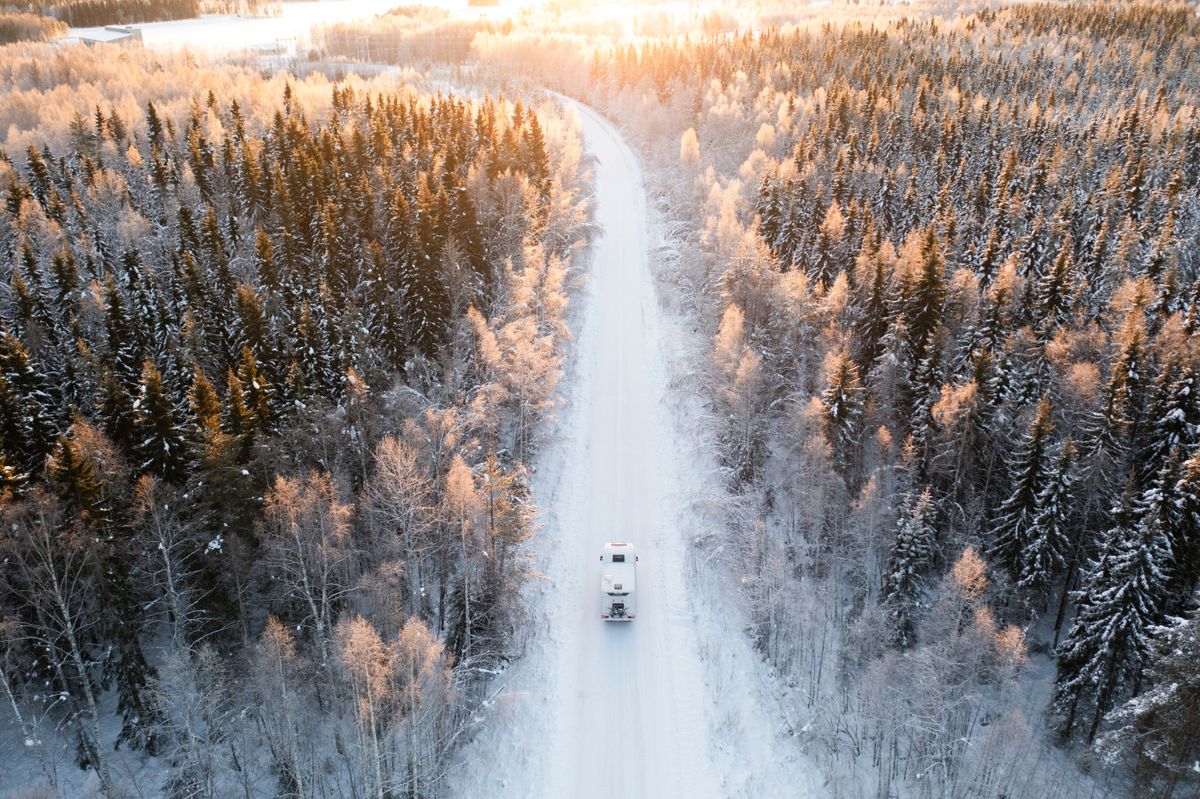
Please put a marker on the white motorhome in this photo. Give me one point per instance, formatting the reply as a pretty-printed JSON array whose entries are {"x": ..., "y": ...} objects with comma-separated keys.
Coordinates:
[{"x": 618, "y": 576}]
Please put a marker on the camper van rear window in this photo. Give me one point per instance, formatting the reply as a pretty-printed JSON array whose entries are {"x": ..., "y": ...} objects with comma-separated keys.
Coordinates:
[{"x": 618, "y": 558}]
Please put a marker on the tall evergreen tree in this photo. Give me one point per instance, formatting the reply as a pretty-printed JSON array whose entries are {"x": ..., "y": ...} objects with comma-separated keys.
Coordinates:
[
  {"x": 1186, "y": 528},
  {"x": 426, "y": 298},
  {"x": 160, "y": 428},
  {"x": 923, "y": 294},
  {"x": 74, "y": 476},
  {"x": 1014, "y": 531},
  {"x": 1049, "y": 542},
  {"x": 1121, "y": 600},
  {"x": 908, "y": 567},
  {"x": 842, "y": 401},
  {"x": 27, "y": 405},
  {"x": 1157, "y": 729},
  {"x": 1172, "y": 416}
]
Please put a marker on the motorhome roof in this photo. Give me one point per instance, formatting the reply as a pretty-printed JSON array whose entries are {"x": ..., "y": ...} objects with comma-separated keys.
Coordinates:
[
  {"x": 618, "y": 546},
  {"x": 618, "y": 577}
]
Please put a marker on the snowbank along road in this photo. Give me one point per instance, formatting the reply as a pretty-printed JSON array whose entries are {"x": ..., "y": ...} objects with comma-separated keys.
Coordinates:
[{"x": 599, "y": 709}]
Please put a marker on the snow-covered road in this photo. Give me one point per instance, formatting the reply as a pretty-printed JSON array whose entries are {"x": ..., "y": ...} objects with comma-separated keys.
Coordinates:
[
  {"x": 597, "y": 709},
  {"x": 629, "y": 707}
]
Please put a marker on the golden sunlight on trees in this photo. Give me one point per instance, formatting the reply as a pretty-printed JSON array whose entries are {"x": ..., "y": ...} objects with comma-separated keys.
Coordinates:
[
  {"x": 265, "y": 333},
  {"x": 994, "y": 277}
]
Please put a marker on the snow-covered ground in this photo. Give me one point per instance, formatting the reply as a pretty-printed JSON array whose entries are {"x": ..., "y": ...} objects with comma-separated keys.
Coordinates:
[
  {"x": 220, "y": 34},
  {"x": 596, "y": 709}
]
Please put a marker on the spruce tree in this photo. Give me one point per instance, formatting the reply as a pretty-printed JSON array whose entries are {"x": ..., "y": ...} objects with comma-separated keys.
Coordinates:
[
  {"x": 163, "y": 442},
  {"x": 27, "y": 404},
  {"x": 426, "y": 300},
  {"x": 258, "y": 392},
  {"x": 1014, "y": 533},
  {"x": 74, "y": 476},
  {"x": 1186, "y": 530},
  {"x": 1056, "y": 293},
  {"x": 908, "y": 567},
  {"x": 12, "y": 481},
  {"x": 1125, "y": 393},
  {"x": 1050, "y": 538},
  {"x": 116, "y": 410},
  {"x": 1121, "y": 599},
  {"x": 1157, "y": 730},
  {"x": 842, "y": 401},
  {"x": 1172, "y": 416},
  {"x": 923, "y": 294},
  {"x": 205, "y": 404}
]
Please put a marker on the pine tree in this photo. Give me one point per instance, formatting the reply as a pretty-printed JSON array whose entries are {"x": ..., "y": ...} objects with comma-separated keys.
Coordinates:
[
  {"x": 906, "y": 580},
  {"x": 164, "y": 446},
  {"x": 1013, "y": 532},
  {"x": 1122, "y": 598}
]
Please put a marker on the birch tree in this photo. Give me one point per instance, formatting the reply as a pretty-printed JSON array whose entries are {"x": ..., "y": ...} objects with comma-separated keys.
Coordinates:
[{"x": 307, "y": 538}]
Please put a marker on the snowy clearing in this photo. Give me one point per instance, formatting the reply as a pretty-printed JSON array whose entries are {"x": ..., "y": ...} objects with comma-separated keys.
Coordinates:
[{"x": 221, "y": 34}]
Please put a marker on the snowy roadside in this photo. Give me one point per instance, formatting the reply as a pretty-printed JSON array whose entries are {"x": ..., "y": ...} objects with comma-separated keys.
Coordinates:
[
  {"x": 518, "y": 749},
  {"x": 759, "y": 748}
]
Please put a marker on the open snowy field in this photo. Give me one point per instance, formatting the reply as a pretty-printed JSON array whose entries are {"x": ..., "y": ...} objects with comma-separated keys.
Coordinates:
[{"x": 218, "y": 34}]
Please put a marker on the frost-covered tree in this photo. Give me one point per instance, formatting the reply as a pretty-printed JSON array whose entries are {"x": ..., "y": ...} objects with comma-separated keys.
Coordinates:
[
  {"x": 1172, "y": 416},
  {"x": 1156, "y": 729},
  {"x": 1185, "y": 515},
  {"x": 1120, "y": 601},
  {"x": 842, "y": 401},
  {"x": 164, "y": 446},
  {"x": 911, "y": 559},
  {"x": 308, "y": 550},
  {"x": 1013, "y": 533},
  {"x": 1050, "y": 539}
]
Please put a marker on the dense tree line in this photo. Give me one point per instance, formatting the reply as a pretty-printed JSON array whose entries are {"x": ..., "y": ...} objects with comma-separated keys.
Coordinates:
[
  {"x": 87, "y": 13},
  {"x": 266, "y": 393},
  {"x": 21, "y": 27},
  {"x": 951, "y": 268}
]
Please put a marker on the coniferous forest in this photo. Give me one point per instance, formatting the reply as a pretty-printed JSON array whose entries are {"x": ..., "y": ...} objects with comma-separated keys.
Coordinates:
[
  {"x": 238, "y": 357},
  {"x": 280, "y": 359},
  {"x": 951, "y": 274},
  {"x": 86, "y": 13}
]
